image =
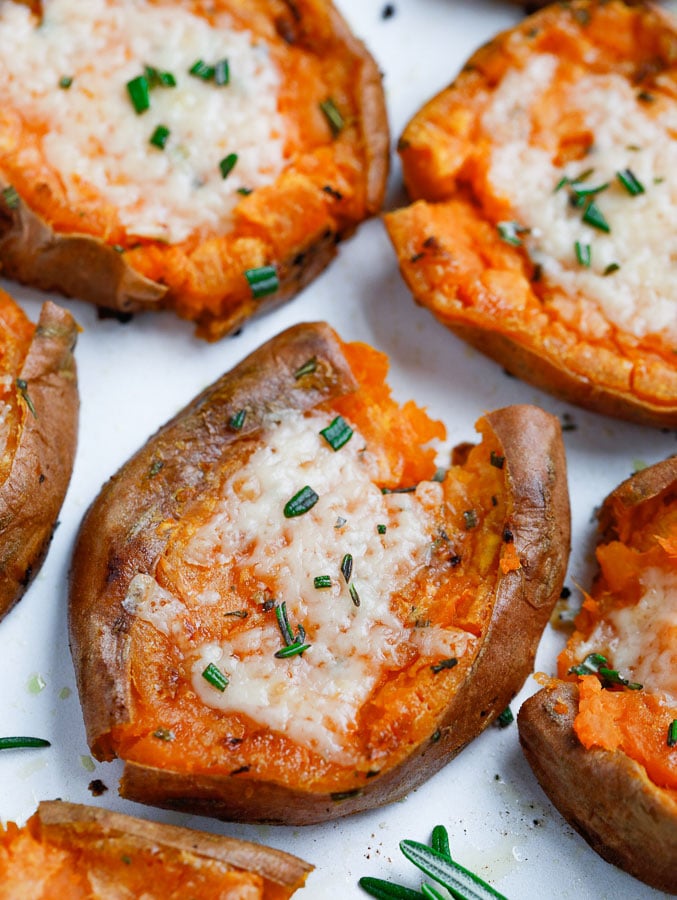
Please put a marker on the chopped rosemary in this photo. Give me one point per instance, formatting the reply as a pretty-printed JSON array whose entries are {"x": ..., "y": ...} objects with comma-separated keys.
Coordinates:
[
  {"x": 347, "y": 567},
  {"x": 444, "y": 664},
  {"x": 611, "y": 268},
  {"x": 381, "y": 529},
  {"x": 17, "y": 743},
  {"x": 307, "y": 368},
  {"x": 354, "y": 596},
  {"x": 160, "y": 136},
  {"x": 300, "y": 503},
  {"x": 333, "y": 116},
  {"x": 583, "y": 254},
  {"x": 291, "y": 650},
  {"x": 11, "y": 198},
  {"x": 510, "y": 231},
  {"x": 227, "y": 164},
  {"x": 337, "y": 433},
  {"x": 215, "y": 677},
  {"x": 672, "y": 733},
  {"x": 505, "y": 718},
  {"x": 157, "y": 78},
  {"x": 236, "y": 421},
  {"x": 65, "y": 82},
  {"x": 200, "y": 69},
  {"x": 244, "y": 191},
  {"x": 139, "y": 94},
  {"x": 322, "y": 581},
  {"x": 262, "y": 281},
  {"x": 630, "y": 182},
  {"x": 22, "y": 384},
  {"x": 222, "y": 72},
  {"x": 597, "y": 664},
  {"x": 593, "y": 216}
]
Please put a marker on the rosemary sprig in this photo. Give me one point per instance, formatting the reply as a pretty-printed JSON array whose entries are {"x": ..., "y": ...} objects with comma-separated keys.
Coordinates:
[{"x": 16, "y": 743}]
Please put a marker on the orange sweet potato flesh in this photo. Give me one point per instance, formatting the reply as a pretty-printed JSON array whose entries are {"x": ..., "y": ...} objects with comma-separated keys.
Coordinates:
[
  {"x": 329, "y": 184},
  {"x": 602, "y": 754},
  {"x": 495, "y": 575},
  {"x": 87, "y": 853},
  {"x": 494, "y": 293},
  {"x": 39, "y": 396}
]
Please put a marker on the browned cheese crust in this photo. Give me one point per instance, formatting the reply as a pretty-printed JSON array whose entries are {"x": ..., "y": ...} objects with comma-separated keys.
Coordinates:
[
  {"x": 32, "y": 494},
  {"x": 607, "y": 797},
  {"x": 118, "y": 539}
]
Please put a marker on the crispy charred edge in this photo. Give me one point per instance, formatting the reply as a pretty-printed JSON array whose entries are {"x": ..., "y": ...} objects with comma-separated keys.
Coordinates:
[
  {"x": 119, "y": 537},
  {"x": 606, "y": 796},
  {"x": 538, "y": 508},
  {"x": 59, "y": 820},
  {"x": 34, "y": 490},
  {"x": 76, "y": 265},
  {"x": 513, "y": 351}
]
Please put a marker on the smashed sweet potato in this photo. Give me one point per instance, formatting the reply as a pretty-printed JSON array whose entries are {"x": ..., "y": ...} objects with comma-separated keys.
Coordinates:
[
  {"x": 281, "y": 612},
  {"x": 542, "y": 218},
  {"x": 602, "y": 741},
  {"x": 67, "y": 850},
  {"x": 38, "y": 434},
  {"x": 201, "y": 157}
]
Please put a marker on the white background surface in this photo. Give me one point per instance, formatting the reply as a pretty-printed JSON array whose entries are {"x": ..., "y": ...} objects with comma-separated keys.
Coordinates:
[{"x": 134, "y": 377}]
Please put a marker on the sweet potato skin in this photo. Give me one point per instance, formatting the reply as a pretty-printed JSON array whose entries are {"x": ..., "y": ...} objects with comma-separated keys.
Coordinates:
[
  {"x": 72, "y": 825},
  {"x": 521, "y": 600},
  {"x": 605, "y": 795},
  {"x": 32, "y": 494},
  {"x": 203, "y": 280},
  {"x": 491, "y": 294}
]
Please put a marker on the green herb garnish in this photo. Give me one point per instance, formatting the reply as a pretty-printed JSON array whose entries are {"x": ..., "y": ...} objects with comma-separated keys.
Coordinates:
[
  {"x": 300, "y": 503},
  {"x": 583, "y": 254},
  {"x": 347, "y": 567},
  {"x": 201, "y": 69},
  {"x": 333, "y": 116},
  {"x": 337, "y": 433},
  {"x": 11, "y": 198},
  {"x": 236, "y": 421},
  {"x": 160, "y": 136},
  {"x": 222, "y": 72},
  {"x": 22, "y": 384},
  {"x": 505, "y": 718},
  {"x": 510, "y": 231},
  {"x": 593, "y": 216},
  {"x": 381, "y": 529},
  {"x": 163, "y": 734},
  {"x": 597, "y": 664},
  {"x": 227, "y": 164},
  {"x": 444, "y": 664},
  {"x": 215, "y": 677},
  {"x": 155, "y": 468},
  {"x": 157, "y": 78},
  {"x": 139, "y": 94},
  {"x": 611, "y": 268},
  {"x": 470, "y": 519},
  {"x": 65, "y": 82},
  {"x": 291, "y": 650},
  {"x": 630, "y": 182},
  {"x": 322, "y": 581},
  {"x": 672, "y": 733},
  {"x": 291, "y": 640},
  {"x": 18, "y": 743},
  {"x": 307, "y": 368},
  {"x": 262, "y": 281},
  {"x": 354, "y": 596}
]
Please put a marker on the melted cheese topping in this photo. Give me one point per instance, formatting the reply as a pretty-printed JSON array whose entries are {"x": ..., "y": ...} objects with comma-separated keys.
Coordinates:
[
  {"x": 640, "y": 297},
  {"x": 642, "y": 639},
  {"x": 314, "y": 698},
  {"x": 95, "y": 140}
]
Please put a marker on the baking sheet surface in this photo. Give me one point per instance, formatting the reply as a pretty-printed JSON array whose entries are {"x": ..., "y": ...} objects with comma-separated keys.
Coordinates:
[{"x": 133, "y": 377}]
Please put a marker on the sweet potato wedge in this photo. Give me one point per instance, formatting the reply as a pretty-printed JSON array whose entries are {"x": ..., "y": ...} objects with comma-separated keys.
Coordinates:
[
  {"x": 541, "y": 220},
  {"x": 201, "y": 157},
  {"x": 278, "y": 614},
  {"x": 38, "y": 434},
  {"x": 605, "y": 751},
  {"x": 87, "y": 853}
]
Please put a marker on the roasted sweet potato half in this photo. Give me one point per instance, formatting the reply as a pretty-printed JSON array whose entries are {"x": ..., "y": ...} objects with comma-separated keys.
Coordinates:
[
  {"x": 544, "y": 218},
  {"x": 67, "y": 850},
  {"x": 200, "y": 156},
  {"x": 279, "y": 613},
  {"x": 605, "y": 749},
  {"x": 38, "y": 433}
]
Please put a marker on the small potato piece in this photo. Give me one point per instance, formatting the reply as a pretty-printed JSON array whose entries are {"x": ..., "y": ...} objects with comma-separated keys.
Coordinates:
[
  {"x": 88, "y": 853},
  {"x": 543, "y": 221},
  {"x": 604, "y": 750},
  {"x": 204, "y": 158},
  {"x": 277, "y": 614},
  {"x": 38, "y": 434}
]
